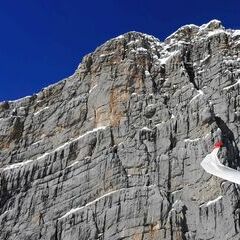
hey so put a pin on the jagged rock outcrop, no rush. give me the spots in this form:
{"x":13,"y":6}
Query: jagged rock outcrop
{"x":114,"y":151}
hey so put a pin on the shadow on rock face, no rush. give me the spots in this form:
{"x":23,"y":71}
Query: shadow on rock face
{"x":232,"y":154}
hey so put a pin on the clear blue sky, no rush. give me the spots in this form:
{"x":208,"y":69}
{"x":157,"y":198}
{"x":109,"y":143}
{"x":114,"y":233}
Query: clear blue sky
{"x":43,"y":41}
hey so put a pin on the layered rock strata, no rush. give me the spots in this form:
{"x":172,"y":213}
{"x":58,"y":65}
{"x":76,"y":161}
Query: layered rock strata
{"x":114,"y":151}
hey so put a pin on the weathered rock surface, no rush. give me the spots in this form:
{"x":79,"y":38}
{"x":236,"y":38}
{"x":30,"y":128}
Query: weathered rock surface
{"x":114,"y":151}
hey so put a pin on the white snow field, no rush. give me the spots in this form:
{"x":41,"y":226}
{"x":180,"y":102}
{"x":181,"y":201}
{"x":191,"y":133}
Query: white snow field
{"x":212,"y":165}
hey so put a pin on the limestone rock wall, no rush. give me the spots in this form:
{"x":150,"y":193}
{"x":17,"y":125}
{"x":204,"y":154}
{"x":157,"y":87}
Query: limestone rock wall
{"x":114,"y":151}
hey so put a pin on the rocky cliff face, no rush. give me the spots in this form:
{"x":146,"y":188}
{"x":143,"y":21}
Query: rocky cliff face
{"x":114,"y":151}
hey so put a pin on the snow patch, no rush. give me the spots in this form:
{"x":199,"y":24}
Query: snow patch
{"x":165,"y":59}
{"x":216,"y":32}
{"x":236,"y":33}
{"x":73,"y":164}
{"x":188,"y":26}
{"x":175,"y":204}
{"x":200,"y":93}
{"x":119,"y":37}
{"x":205,"y":59}
{"x":214,"y":21}
{"x":41,"y":110}
{"x":214,"y":200}
{"x":71,"y":212}
{"x":133,"y":51}
{"x":201,"y":71}
{"x":207,"y":135}
{"x":90,"y":203}
{"x":20,"y":99}
{"x":147,"y":73}
{"x":96,"y":200}
{"x":78,"y":138}
{"x":176,"y":191}
{"x":141,"y":49}
{"x":146,"y":129}
{"x":35,"y":143}
{"x":107,"y":54}
{"x":192,"y":140}
{"x":228,"y":87}
{"x":132,"y":42}
{"x":16,"y":165}
{"x":152,"y":38}
{"x":93,"y":88}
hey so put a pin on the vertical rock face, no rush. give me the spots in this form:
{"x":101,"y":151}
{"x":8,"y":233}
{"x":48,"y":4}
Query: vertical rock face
{"x":114,"y":151}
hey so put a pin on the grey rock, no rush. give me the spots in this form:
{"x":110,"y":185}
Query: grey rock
{"x":114,"y":151}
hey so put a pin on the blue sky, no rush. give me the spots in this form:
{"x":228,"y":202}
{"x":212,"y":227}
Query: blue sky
{"x":43,"y":41}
